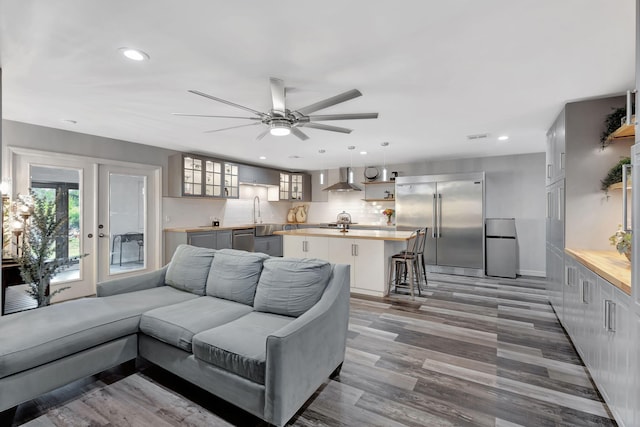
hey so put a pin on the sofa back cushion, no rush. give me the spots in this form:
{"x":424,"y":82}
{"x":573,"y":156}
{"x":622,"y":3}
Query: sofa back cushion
{"x":291,"y":286}
{"x":189,"y":268}
{"x":234,"y":275}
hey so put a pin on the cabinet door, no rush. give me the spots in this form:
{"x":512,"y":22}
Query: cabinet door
{"x":603,"y":373}
{"x":369,"y":265}
{"x":341,"y":252}
{"x":224,"y":239}
{"x":202,"y":240}
{"x":192,"y":175}
{"x":293,"y":246}
{"x":317,"y":247}
{"x":212,"y":178}
{"x":620,"y":337}
{"x":231,"y":186}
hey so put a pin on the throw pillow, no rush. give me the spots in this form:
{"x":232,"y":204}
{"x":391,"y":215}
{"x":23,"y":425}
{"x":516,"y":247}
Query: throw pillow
{"x":234,"y":275}
{"x":189,"y":268}
{"x":291,"y":286}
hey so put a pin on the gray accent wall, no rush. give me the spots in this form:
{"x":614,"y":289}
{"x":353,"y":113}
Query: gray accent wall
{"x":591,"y":215}
{"x":514,"y":188}
{"x":18,"y":134}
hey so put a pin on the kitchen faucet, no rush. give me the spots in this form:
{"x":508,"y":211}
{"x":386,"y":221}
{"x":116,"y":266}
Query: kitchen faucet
{"x":255,"y":220}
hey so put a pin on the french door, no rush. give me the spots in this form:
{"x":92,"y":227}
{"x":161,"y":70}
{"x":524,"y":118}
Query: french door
{"x":112,"y":212}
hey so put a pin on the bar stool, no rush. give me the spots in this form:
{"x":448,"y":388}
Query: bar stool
{"x":407,"y":262}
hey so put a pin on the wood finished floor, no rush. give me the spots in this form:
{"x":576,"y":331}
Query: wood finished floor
{"x":470,"y":352}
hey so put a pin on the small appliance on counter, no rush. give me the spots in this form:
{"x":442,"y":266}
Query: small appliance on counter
{"x":343,"y":220}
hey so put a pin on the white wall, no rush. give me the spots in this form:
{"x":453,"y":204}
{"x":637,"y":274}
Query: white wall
{"x":186,"y":212}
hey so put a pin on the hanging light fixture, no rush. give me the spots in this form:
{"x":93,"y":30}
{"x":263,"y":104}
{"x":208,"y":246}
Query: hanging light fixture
{"x":384,"y":161}
{"x":351,"y":148}
{"x":322,"y":151}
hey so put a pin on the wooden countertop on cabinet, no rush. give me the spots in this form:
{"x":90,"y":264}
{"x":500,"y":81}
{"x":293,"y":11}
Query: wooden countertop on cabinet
{"x":610,"y":265}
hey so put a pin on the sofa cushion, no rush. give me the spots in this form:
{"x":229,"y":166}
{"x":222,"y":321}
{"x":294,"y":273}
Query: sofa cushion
{"x":240,"y":346}
{"x":35,"y":337}
{"x":290,"y":286}
{"x":189,"y":268}
{"x":176,"y":324}
{"x":234,"y":275}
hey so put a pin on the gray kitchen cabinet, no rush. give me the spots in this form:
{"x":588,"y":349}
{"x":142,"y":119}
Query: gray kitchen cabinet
{"x":270,"y":245}
{"x":217,"y":239}
{"x":248,"y":174}
{"x":556,"y":145}
{"x":295,"y":187}
{"x":600,"y":321}
{"x":199,"y":176}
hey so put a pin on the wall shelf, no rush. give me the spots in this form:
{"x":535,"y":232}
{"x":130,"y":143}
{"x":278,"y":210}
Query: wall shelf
{"x":618,"y":186}
{"x":379,"y":200}
{"x":623,"y":132}
{"x":378,"y":182}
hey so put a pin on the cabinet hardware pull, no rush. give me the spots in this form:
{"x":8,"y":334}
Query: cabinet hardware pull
{"x":606,"y":314}
{"x":439,"y":215}
{"x":612,"y":316}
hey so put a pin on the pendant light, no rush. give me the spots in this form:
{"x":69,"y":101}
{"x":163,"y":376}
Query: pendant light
{"x":351,"y":148}
{"x":385,"y":176}
{"x":322,"y":151}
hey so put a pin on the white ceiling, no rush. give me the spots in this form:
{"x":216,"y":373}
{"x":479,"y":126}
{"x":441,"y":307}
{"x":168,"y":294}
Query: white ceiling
{"x":436,"y":71}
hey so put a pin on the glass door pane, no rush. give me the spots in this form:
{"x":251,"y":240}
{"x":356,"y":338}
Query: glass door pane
{"x":60,"y":186}
{"x":127,"y":213}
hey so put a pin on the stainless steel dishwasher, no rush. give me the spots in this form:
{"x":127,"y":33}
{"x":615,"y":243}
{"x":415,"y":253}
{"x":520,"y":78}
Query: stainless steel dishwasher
{"x":243,"y":239}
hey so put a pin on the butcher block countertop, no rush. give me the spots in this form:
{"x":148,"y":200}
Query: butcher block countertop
{"x":351,"y":234}
{"x":610,"y":265}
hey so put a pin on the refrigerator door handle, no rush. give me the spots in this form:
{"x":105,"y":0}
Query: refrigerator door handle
{"x":439,"y":215}
{"x":434,"y":233}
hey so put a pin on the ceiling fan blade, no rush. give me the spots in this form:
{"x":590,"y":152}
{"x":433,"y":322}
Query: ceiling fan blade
{"x":262,"y":134}
{"x":353,"y":93}
{"x":220,"y":117}
{"x":231,"y":127}
{"x":356,"y":116}
{"x":277,"y":95}
{"x":297,"y":132}
{"x":233,"y":104}
{"x":326,"y":127}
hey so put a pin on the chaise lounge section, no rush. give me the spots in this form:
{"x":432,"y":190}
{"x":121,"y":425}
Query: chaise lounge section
{"x":262,"y":333}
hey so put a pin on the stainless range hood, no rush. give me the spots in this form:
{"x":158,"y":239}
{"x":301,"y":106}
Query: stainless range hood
{"x":343,"y":184}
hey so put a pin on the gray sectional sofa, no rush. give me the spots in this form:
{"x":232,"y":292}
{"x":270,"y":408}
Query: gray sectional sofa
{"x":262,"y":333}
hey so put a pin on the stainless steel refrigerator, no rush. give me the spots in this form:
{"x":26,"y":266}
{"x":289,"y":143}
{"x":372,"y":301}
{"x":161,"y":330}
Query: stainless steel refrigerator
{"x":452,"y":207}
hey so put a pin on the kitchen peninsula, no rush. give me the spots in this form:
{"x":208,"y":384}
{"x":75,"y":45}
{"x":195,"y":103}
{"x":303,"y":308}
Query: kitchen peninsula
{"x":366,"y":251}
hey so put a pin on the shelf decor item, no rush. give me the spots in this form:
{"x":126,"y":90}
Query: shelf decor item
{"x":622,"y":241}
{"x":388,"y":213}
{"x":614,"y":175}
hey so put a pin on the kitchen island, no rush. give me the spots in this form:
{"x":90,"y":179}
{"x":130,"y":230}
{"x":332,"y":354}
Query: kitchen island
{"x":366,"y":251}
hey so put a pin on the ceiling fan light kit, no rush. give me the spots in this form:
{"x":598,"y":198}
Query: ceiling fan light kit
{"x":281,"y":121}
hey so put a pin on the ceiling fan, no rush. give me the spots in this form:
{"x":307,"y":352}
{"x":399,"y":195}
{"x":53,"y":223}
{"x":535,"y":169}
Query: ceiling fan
{"x":281,"y":121}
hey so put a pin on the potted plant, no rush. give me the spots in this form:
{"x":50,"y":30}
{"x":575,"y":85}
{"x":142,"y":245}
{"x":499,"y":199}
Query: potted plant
{"x":36,"y":250}
{"x":614,"y":175}
{"x":622,"y":241}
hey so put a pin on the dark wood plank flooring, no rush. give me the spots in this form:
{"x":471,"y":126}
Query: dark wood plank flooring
{"x":470,"y":352}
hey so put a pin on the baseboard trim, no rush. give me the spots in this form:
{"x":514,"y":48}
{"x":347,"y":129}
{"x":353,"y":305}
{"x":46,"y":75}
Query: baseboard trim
{"x":536,"y":273}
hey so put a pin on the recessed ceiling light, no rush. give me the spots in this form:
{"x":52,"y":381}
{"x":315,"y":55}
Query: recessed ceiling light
{"x":503,"y":138}
{"x":363,"y":152}
{"x":263,"y":157}
{"x":134,"y":54}
{"x":69,"y":121}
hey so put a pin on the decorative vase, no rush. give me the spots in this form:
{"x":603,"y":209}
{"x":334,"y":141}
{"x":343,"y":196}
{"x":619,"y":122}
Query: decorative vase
{"x":628,"y":254}
{"x":389,"y":220}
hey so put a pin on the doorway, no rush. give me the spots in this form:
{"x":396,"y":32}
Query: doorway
{"x":112,"y":211}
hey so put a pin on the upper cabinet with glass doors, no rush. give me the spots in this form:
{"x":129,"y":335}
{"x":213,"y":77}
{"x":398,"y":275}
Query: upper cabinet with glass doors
{"x":199,"y":176}
{"x":295,"y":186}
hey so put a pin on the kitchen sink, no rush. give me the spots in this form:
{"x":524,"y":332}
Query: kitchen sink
{"x":266,"y":229}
